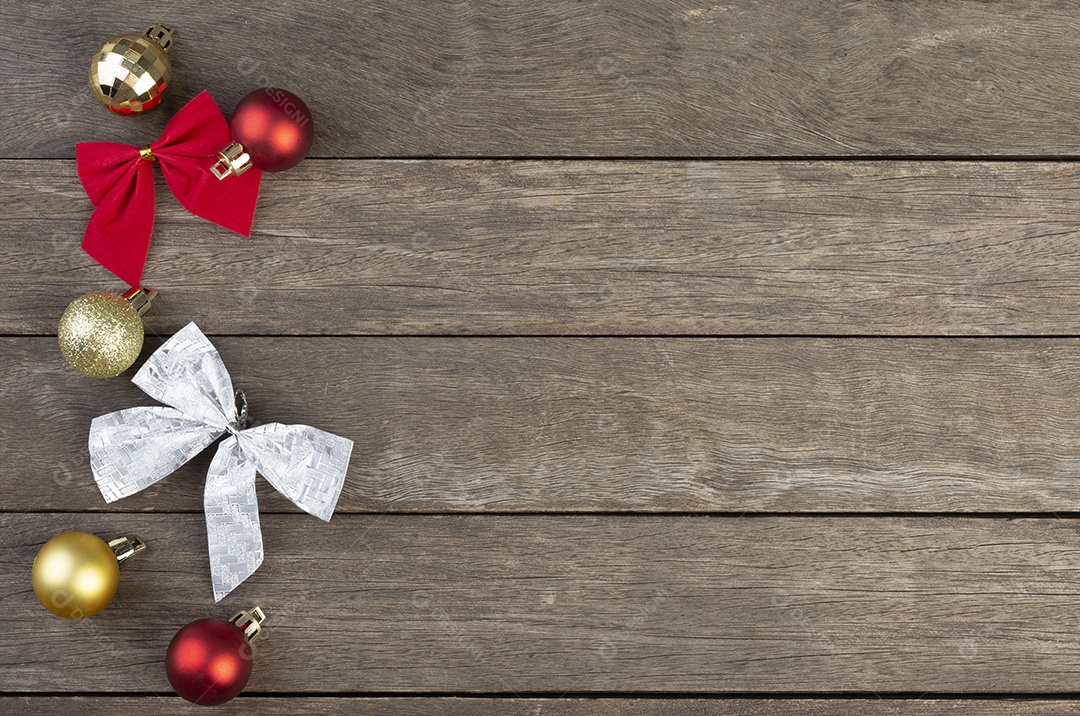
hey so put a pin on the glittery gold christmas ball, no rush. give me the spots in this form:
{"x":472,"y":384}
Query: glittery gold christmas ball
{"x":101,"y":334}
{"x":130,"y":72}
{"x":75,"y":575}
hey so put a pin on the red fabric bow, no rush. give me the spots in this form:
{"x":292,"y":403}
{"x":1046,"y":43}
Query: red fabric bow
{"x":120,"y":183}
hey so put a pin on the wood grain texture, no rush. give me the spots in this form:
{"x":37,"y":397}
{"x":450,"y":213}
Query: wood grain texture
{"x":520,"y":604}
{"x":567,"y":78}
{"x":391,"y":302}
{"x":505,"y":424}
{"x":480,"y":247}
{"x":454,"y":706}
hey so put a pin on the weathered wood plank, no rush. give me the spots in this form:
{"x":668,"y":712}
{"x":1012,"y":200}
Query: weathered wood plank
{"x":585,"y":247}
{"x":512,"y":604}
{"x":509,"y":424}
{"x":449,"y":706}
{"x":614,"y":78}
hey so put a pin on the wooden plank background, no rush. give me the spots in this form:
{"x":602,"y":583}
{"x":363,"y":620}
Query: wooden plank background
{"x":701,"y":358}
{"x":612,"y":424}
{"x":598,"y":603}
{"x":565,"y":78}
{"x":589,"y":247}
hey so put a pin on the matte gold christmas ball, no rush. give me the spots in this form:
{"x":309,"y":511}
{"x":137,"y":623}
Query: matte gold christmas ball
{"x":75,"y":575}
{"x":130,"y":73}
{"x":101,"y":334}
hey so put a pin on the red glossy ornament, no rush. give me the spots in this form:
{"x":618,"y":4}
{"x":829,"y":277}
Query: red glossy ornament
{"x":275,"y":128}
{"x":209,"y":660}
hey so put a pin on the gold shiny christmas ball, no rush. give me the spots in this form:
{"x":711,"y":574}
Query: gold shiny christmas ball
{"x":130,"y":72}
{"x":75,"y":575}
{"x":101,"y":334}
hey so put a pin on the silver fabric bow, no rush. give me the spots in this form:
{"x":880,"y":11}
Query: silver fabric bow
{"x":134,"y":448}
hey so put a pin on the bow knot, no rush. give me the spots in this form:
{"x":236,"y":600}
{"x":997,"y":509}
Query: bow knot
{"x":235,"y":427}
{"x":119,"y":180}
{"x":134,"y":448}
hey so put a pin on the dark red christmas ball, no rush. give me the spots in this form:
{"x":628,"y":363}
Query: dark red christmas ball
{"x":275,"y":128}
{"x":209,"y":661}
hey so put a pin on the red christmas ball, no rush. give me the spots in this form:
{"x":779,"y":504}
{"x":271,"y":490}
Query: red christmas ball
{"x":275,"y":128}
{"x":209,"y":661}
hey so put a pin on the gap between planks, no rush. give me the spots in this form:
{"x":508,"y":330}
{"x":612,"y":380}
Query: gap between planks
{"x":456,"y":706}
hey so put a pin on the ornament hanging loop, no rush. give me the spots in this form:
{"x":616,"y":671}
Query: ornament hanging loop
{"x":250,"y":622}
{"x":126,"y":547}
{"x":161,"y":34}
{"x":140,"y":299}
{"x":233,"y":160}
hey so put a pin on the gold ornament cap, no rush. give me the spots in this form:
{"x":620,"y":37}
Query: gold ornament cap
{"x":233,"y":160}
{"x":76,"y":574}
{"x":130,"y":73}
{"x":101,"y":333}
{"x":126,"y":547}
{"x":250,"y":622}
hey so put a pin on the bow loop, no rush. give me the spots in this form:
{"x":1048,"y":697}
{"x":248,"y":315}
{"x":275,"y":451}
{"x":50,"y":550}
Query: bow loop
{"x":104,"y":167}
{"x":303,"y":463}
{"x":134,"y":448}
{"x":156,"y":440}
{"x":187,"y":373}
{"x":120,"y":184}
{"x":198,"y":130}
